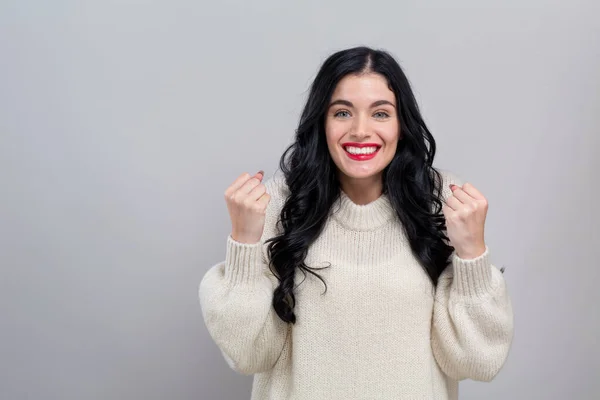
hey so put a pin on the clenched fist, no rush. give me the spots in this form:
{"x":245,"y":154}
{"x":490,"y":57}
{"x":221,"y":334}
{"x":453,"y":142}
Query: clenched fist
{"x":247,"y":201}
{"x":465,"y":212}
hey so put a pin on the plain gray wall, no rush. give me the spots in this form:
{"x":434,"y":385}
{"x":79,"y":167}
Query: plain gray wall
{"x":122,"y":123}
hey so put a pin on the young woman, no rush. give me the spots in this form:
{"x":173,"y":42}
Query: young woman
{"x":362,"y":273}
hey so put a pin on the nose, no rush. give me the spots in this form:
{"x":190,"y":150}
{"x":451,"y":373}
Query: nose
{"x":360,"y":128}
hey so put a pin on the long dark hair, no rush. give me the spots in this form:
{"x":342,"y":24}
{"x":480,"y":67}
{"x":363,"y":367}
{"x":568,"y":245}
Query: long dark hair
{"x":410,"y":181}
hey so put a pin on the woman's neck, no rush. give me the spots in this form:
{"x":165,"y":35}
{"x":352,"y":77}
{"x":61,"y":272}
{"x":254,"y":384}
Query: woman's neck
{"x":362,"y":190}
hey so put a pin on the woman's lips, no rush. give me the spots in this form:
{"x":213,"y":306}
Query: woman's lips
{"x":362,"y":157}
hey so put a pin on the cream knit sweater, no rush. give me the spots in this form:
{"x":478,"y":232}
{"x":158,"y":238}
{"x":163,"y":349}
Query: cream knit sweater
{"x":381,"y":331}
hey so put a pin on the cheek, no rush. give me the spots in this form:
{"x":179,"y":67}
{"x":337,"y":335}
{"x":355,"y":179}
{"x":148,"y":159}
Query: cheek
{"x":391,"y":134}
{"x":334,"y":132}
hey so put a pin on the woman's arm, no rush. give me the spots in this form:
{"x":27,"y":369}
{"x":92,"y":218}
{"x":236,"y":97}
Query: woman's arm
{"x":472,"y":327}
{"x":236,"y":301}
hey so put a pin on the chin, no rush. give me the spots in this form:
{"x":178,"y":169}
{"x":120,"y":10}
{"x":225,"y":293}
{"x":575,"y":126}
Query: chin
{"x":360,"y":175}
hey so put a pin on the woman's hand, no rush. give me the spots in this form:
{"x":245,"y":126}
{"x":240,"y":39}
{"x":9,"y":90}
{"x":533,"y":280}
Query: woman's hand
{"x":465,"y":211}
{"x":247,"y":201}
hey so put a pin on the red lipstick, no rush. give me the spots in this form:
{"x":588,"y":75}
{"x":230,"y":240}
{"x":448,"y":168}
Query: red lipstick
{"x":361,"y":157}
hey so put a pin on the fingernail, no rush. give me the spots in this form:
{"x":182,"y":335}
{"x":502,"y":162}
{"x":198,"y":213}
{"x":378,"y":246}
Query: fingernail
{"x":261,"y":172}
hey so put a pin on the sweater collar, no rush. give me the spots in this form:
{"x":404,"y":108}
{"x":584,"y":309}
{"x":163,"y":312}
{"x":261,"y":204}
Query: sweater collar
{"x":362,"y":217}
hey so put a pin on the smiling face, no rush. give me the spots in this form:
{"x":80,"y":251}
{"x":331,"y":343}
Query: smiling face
{"x":362,"y":127}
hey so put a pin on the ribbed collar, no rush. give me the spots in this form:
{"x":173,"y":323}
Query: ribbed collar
{"x":363,"y":217}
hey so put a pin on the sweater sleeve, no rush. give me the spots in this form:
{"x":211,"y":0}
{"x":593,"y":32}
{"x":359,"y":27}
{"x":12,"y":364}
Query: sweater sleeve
{"x":236,"y":301}
{"x":472,"y":327}
{"x":473,"y":322}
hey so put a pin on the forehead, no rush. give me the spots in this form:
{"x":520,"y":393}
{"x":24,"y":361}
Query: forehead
{"x":365,"y":87}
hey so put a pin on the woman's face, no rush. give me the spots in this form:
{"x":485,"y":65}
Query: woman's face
{"x":362,"y":112}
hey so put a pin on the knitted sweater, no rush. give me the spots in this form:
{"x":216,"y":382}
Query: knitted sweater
{"x":381,"y":330}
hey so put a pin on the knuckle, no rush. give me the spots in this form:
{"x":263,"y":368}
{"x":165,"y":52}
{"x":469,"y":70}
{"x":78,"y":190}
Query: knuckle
{"x":237,"y":198}
{"x":247,"y":202}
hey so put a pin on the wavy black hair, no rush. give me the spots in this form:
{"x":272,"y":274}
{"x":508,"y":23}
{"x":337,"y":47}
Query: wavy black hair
{"x":410,"y":181}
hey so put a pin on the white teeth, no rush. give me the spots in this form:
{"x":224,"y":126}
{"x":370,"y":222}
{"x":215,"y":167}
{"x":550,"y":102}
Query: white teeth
{"x":363,"y":150}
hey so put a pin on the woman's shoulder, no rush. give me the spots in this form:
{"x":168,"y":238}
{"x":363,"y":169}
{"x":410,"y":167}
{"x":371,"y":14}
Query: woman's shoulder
{"x":448,"y":178}
{"x":278,"y":190}
{"x":276,"y":187}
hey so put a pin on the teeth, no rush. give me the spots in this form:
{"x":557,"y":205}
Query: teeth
{"x":364,"y":150}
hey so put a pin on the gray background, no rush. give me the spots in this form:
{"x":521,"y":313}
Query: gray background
{"x":122,"y":123}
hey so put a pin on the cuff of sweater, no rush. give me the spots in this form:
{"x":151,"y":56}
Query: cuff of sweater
{"x":473,"y":277}
{"x":242,"y":262}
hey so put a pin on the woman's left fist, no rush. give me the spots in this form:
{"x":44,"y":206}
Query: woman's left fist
{"x":465,"y":211}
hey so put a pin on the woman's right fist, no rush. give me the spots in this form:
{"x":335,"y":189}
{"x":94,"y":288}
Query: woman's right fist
{"x":247,"y":201}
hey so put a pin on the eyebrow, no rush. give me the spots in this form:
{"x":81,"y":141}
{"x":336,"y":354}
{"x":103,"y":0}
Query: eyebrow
{"x":349,"y":104}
